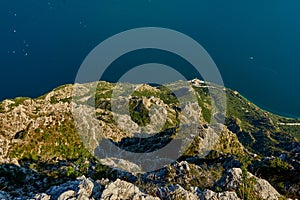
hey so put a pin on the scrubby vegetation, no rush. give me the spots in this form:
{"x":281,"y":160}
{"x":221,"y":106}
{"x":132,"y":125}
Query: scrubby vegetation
{"x":61,"y":142}
{"x":246,"y":189}
{"x":280,"y":174}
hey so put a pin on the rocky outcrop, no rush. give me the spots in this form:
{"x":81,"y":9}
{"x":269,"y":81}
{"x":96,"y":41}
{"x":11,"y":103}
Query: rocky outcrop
{"x":120,"y":190}
{"x":42,"y":196}
{"x":211,"y":195}
{"x":176,"y":192}
{"x":81,"y":189}
{"x":186,"y":175}
{"x":87,"y":189}
{"x":262,"y":188}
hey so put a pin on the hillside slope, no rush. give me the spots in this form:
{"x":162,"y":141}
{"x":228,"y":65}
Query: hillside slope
{"x":40,"y":146}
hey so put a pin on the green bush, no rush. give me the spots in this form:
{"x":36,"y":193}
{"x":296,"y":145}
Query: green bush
{"x":246,"y":189}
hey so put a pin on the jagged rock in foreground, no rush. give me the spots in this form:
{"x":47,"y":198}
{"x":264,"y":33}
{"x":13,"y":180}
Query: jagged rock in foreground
{"x":87,"y":189}
{"x":176,"y":192}
{"x":123,"y":190}
{"x":262,"y":188}
{"x":80,"y":189}
{"x":211,"y":195}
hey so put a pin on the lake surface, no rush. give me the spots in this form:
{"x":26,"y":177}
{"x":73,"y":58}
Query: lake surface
{"x":255,"y":44}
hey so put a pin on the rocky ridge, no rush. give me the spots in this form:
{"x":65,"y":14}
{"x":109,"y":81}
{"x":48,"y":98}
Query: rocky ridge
{"x":39,"y":146}
{"x":87,"y":188}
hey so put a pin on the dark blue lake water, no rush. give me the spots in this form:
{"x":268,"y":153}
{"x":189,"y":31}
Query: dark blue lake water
{"x":255,"y":44}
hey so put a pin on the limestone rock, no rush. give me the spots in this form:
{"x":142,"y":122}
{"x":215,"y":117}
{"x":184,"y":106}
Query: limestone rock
{"x":42,"y":196}
{"x":56,"y":191}
{"x":86,"y":186}
{"x":121,"y":190}
{"x":70,"y":194}
{"x":82,"y":188}
{"x":210,"y":195}
{"x":262,"y":187}
{"x":176,"y":192}
{"x":266,"y":190}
